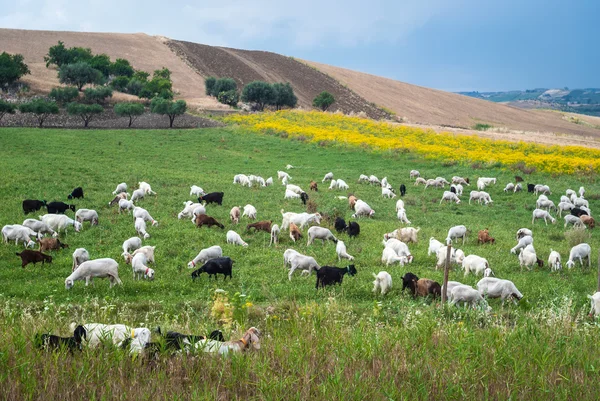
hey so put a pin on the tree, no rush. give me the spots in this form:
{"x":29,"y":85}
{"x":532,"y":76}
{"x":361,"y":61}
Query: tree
{"x":258,"y":92}
{"x":12,"y":68}
{"x":131,"y":110}
{"x":168,"y":107}
{"x":230,"y":98}
{"x":97,"y":95}
{"x":85,"y":111}
{"x":60,"y":55}
{"x":122,"y":68}
{"x":323,"y":100}
{"x":64,"y":95}
{"x":224,"y":85}
{"x":102,"y":63}
{"x":209,"y":82}
{"x":79,"y":74}
{"x":135,"y":86}
{"x":42,"y":108}
{"x":6,"y":108}
{"x":120,"y":83}
{"x":159,"y":86}
{"x":284,"y":96}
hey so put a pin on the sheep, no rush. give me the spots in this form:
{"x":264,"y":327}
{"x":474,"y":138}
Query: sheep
{"x":542,"y":214}
{"x":434,"y":183}
{"x":138,"y":194}
{"x":285,"y":181}
{"x":422,"y":287}
{"x":117,"y":198}
{"x":458,"y":188}
{"x":39,"y":227}
{"x":213,"y":197}
{"x":457,"y":232}
{"x":363,"y":178}
{"x":460,"y":180}
{"x":124,"y":204}
{"x":475,"y":264}
{"x":88,"y":270}
{"x":131,"y":244}
{"x":294,"y":188}
{"x":269,"y":182}
{"x":382,"y":283}
{"x":188,"y":209}
{"x":328,"y":177}
{"x":20,"y":234}
{"x":387,"y":193}
{"x":576,"y":211}
{"x":449,"y":197}
{"x":581,"y":191}
{"x":522,"y":232}
{"x":146,"y":187}
{"x":301,"y":219}
{"x":196,"y":190}
{"x":27,"y":256}
{"x":406,"y":234}
{"x":288,"y":256}
{"x":361,"y":208}
{"x":122,"y":187}
{"x":322,"y":233}
{"x":468,"y":295}
{"x":333,"y":184}
{"x":235,"y":239}
{"x":419,"y":181}
{"x":274,"y":235}
{"x":399,"y":247}
{"x":373,"y":180}
{"x":146,"y":250}
{"x":234,"y":214}
{"x":59,"y":207}
{"x":79,"y":256}
{"x":295,"y":233}
{"x":76,"y":193}
{"x":251,"y":338}
{"x":302,"y":262}
{"x":484,"y":237}
{"x":205,"y":255}
{"x":87,"y":215}
{"x":518,"y":188}
{"x":204,"y":220}
{"x":340,"y":225}
{"x":480,"y":196}
{"x":140,"y":212}
{"x":401,"y":214}
{"x":554,"y":260}
{"x":523,"y":242}
{"x":595,"y":303}
{"x":399,"y":204}
{"x":546,"y":204}
{"x":329,"y":275}
{"x":483,"y":182}
{"x":60,"y":222}
{"x":250,"y":212}
{"x":385,"y":183}
{"x":564,"y":207}
{"x":389,"y":256}
{"x":434,"y":245}
{"x":48,"y":244}
{"x":492,"y":287}
{"x":414,"y":174}
{"x":138,"y":265}
{"x":340,"y":249}
{"x":576,"y":221}
{"x":541,"y":189}
{"x":140,"y":227}
{"x":588,"y":221}
{"x":456,"y":256}
{"x":580,"y":252}
{"x":241,"y":179}
{"x":527,"y":257}
{"x":32,"y":205}
{"x":260,"y":226}
{"x":509,"y":187}
{"x":291,"y":195}
{"x":581,"y":202}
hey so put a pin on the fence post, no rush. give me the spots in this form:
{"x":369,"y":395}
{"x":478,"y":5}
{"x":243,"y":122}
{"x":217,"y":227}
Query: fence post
{"x":446,"y":270}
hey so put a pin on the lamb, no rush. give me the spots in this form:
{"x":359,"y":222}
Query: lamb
{"x":492,"y":287}
{"x":48,"y":244}
{"x":414,"y":174}
{"x":373,"y":180}
{"x":76,"y":193}
{"x":131,"y":244}
{"x":124,"y":204}
{"x":138,"y":264}
{"x":250,"y":212}
{"x":322,"y":233}
{"x":260,"y":226}
{"x":434,"y":183}
{"x":385,"y":183}
{"x":301,"y":219}
{"x":564,"y":207}
{"x":468,"y":295}
{"x":329,"y":275}
{"x":523,"y":242}
{"x":235,"y":239}
{"x":580,"y":252}
{"x":333,"y":184}
{"x":475,"y":264}
{"x":59,"y":207}
{"x":420,"y":180}
{"x":274,"y":235}
{"x":383,"y":282}
{"x":542,"y":214}
{"x":389,"y":256}
{"x":554,"y":260}
{"x":146,"y":188}
{"x":204,"y":220}
{"x":88,"y":270}
{"x":188,"y":209}
{"x":484,"y":237}
{"x":387,"y":193}
{"x":122,"y":187}
{"x":79,"y":256}
{"x":291,"y":195}
{"x":576,"y":221}
{"x":595,"y":302}
{"x":527,"y":257}
{"x":302,"y":262}
{"x":509,"y":187}
{"x":140,"y":227}
{"x":541,"y":189}
{"x":361,"y":208}
{"x":295,"y":233}
{"x":449,"y":197}
{"x":205,"y":255}
{"x":137,"y":194}
{"x":285,"y":181}
{"x":140,"y":212}
{"x":39,"y":227}
{"x":32,"y":205}
{"x":20,"y":234}
{"x":457,"y":232}
{"x":213,"y":197}
{"x":60,"y":222}
{"x":588,"y":221}
{"x":251,"y":338}
{"x":27,"y":256}
{"x":434,"y":245}
{"x":483,"y":182}
{"x":340,"y":249}
{"x":87,"y":215}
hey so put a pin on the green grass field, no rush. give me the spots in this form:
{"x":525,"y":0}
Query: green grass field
{"x":339,"y":343}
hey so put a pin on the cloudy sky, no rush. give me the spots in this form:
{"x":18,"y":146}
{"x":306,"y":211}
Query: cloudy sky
{"x":446,"y":44}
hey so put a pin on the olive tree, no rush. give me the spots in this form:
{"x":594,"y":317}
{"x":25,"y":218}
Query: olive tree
{"x":131,"y":110}
{"x":168,"y":107}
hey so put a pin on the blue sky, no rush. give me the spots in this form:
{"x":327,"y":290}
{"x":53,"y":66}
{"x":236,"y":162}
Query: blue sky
{"x":445,"y":44}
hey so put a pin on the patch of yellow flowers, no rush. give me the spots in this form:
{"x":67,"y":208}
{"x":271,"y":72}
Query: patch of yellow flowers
{"x":354,"y":131}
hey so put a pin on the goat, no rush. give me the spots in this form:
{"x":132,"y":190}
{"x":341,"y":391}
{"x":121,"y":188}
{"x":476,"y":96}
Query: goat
{"x":205,"y":255}
{"x":313,"y":186}
{"x":79,"y":256}
{"x":321,"y":233}
{"x":213,"y":197}
{"x":27,"y":256}
{"x":250,"y":340}
{"x":383,"y":282}
{"x":329,"y":275}
{"x":260,"y":226}
{"x":340,"y":249}
{"x":295,"y":233}
{"x":31,"y":205}
{"x":76,"y":193}
{"x":235,"y":239}
{"x":59,"y":207}
{"x":340,"y":225}
{"x":122,"y":187}
{"x":204,"y":220}
{"x":221,"y":265}
{"x":48,"y":244}
{"x":580,"y":252}
{"x":49,"y":341}
{"x":88,"y":270}
{"x":274,"y":235}
{"x":483,"y":237}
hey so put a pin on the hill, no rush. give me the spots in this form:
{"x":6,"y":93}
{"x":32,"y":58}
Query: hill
{"x":190,"y":63}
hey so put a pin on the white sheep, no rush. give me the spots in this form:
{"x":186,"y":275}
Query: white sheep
{"x":468,"y":295}
{"x":341,"y":184}
{"x":125,"y":204}
{"x":546,"y":204}
{"x":97,"y":334}
{"x":475,"y":264}
{"x":137,"y":194}
{"x":234,"y":214}
{"x":414,"y":174}
{"x":146,"y":187}
{"x":483,"y":182}
{"x":288,"y":255}
{"x":140,"y":227}
{"x":294,"y":188}
{"x":434,"y":245}
{"x":328,"y":177}
{"x":564,"y":207}
{"x":274,"y":235}
{"x":451,"y":286}
{"x":554,"y":260}
{"x":39,"y":227}
{"x":205,"y":255}
{"x":250,"y":212}
{"x":146,"y":250}
{"x":509,"y":187}
{"x":242,"y":179}
{"x":405,"y":234}
{"x":300,"y":219}
{"x":196,"y":190}
{"x":382,"y":283}
{"x":18,"y":233}
{"x":480,"y":196}
{"x":522,"y":232}
{"x":581,"y":202}
{"x":580,"y":252}
{"x":130,"y":245}
{"x":457,"y":232}
{"x":302,"y":262}
{"x":581,"y":191}
{"x":541,"y":189}
{"x":373,"y":180}
{"x":79,"y":256}
{"x":285,"y":181}
{"x":291,"y":195}
{"x":434,"y":183}
{"x":269,"y":182}
{"x":523,"y":242}
{"x":361,"y":208}
{"x":60,"y":222}
{"x":399,"y":247}
{"x":87,"y":215}
{"x":122,"y":187}
{"x":492,"y":287}
{"x":235,"y":239}
{"x":88,"y":270}
{"x":518,"y":187}
{"x":340,"y":249}
{"x":420,"y":180}
{"x":188,"y":209}
{"x":322,"y":233}
{"x":399,"y":204}
{"x":282,"y":174}
{"x":459,"y":180}
{"x":595,"y":303}
{"x":402,"y":216}
{"x":389,"y":256}
{"x":333,"y":184}
{"x":138,"y":265}
{"x":363,"y":178}
{"x":457,"y":256}
{"x":576,"y":221}
{"x":527,"y":257}
{"x":450,"y":197}
{"x":542,"y":214}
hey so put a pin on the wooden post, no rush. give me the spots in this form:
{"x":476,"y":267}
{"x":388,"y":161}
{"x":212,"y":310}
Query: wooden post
{"x":446,"y":270}
{"x":598,"y":287}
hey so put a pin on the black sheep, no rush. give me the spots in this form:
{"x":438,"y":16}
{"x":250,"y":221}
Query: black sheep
{"x":59,"y":207}
{"x":340,"y":225}
{"x":329,"y":275}
{"x":32,"y":205}
{"x":213,"y":197}
{"x":215,"y":266}
{"x":353,"y":229}
{"x":77,"y":193}
{"x":402,"y":189}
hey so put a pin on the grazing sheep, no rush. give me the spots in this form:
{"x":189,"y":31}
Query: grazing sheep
{"x":138,"y":264}
{"x":146,"y":187}
{"x":387,"y":193}
{"x":79,"y":256}
{"x":295,"y":233}
{"x":576,"y":221}
{"x":434,"y":183}
{"x":340,"y":249}
{"x":60,"y":222}
{"x":399,"y":204}
{"x":542,"y":214}
{"x":509,"y":187}
{"x":39,"y":227}
{"x":541,"y":189}
{"x":329,"y":275}
{"x":269,"y":182}
{"x":492,"y":287}
{"x":523,"y":232}
{"x":124,"y":204}
{"x":460,"y":180}
{"x":518,"y":188}
{"x":131,"y":244}
{"x":19,"y":233}
{"x":32,"y":205}
{"x":352,"y":201}
{"x":361,"y":208}
{"x":220,"y":265}
{"x":234,"y":214}
{"x":48,"y":341}
{"x":250,"y":212}
{"x":147,"y":250}
{"x":457,"y":232}
{"x":205,"y":255}
{"x":302,"y":262}
{"x":196,"y":190}
{"x":138,"y":194}
{"x":523,"y":242}
{"x":140,"y":227}
{"x":213,"y":197}
{"x":122,"y":187}
{"x":420,"y":180}
{"x":414,"y":174}
{"x":59,"y":207}
{"x":434,"y":245}
{"x":449,"y":197}
{"x":475,"y":264}
{"x":294,"y":188}
{"x":204,"y":220}
{"x":581,"y":191}
{"x":322,"y":233}
{"x":117,"y":198}
{"x":51,"y":244}
{"x":341,"y":184}
{"x":480,"y":196}
{"x":382,"y":283}
{"x":260,"y":226}
{"x":363,"y":178}
{"x":274,"y":235}
{"x":340,"y":225}
{"x":564,"y":207}
{"x":118,"y":334}
{"x":333,"y":184}
{"x":406,"y":234}
{"x":353,"y":229}
{"x":399,"y":247}
{"x":401,"y":214}
{"x":390,"y":256}
{"x":468,"y":295}
{"x":140,"y":212}
{"x":291,"y":195}
{"x":484,"y":237}
{"x":328,"y":177}
{"x":580,"y":252}
{"x":301,"y":219}
{"x":288,"y":255}
{"x":188,"y":209}
{"x":373,"y":180}
{"x":87,"y":215}
{"x":88,"y":270}
{"x":554,"y":260}
{"x":423,"y":287}
{"x":76,"y":193}
{"x":250,"y":340}
{"x":242,"y":179}
{"x":27,"y":256}
{"x":527,"y":257}
{"x":235,"y":239}
{"x":456,"y":256}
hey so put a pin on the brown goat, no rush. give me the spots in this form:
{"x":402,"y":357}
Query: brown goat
{"x":27,"y":256}
{"x":261,"y":226}
{"x":588,"y":220}
{"x":427,"y":287}
{"x":313,"y":186}
{"x":352,"y":201}
{"x":483,"y":237}
{"x":204,"y":220}
{"x":518,"y":178}
{"x":295,"y":233}
{"x":48,"y":244}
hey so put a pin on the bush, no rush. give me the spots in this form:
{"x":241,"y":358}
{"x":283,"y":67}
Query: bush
{"x":576,"y":236}
{"x":135,"y":86}
{"x":101,"y":62}
{"x":284,"y":96}
{"x":64,"y":95}
{"x":79,"y":74}
{"x":209,"y":83}
{"x":323,"y":100}
{"x":131,"y":110}
{"x":12,"y":68}
{"x":168,"y":107}
{"x":122,"y":68}
{"x":224,"y":85}
{"x":230,"y":98}
{"x":482,"y":127}
{"x":85,"y":111}
{"x":6,"y":108}
{"x":258,"y":92}
{"x":97,"y":95}
{"x":120,"y":83}
{"x":160,"y":86}
{"x":41,"y":108}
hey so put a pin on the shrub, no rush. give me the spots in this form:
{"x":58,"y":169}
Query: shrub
{"x":135,"y":86}
{"x":101,"y":62}
{"x":85,"y":111}
{"x":64,"y":95}
{"x":6,"y":108}
{"x":323,"y":100}
{"x":131,"y":110}
{"x":482,"y":127}
{"x":209,"y":83}
{"x":230,"y":98}
{"x":97,"y":95}
{"x":12,"y":68}
{"x":120,"y":83}
{"x":159,"y":86}
{"x":79,"y":74}
{"x":576,"y":236}
{"x":122,"y":68}
{"x":258,"y":92}
{"x":284,"y":96}
{"x":168,"y":107}
{"x":41,"y":108}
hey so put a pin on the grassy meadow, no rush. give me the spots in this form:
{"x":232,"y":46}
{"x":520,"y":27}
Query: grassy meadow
{"x":338,"y":343}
